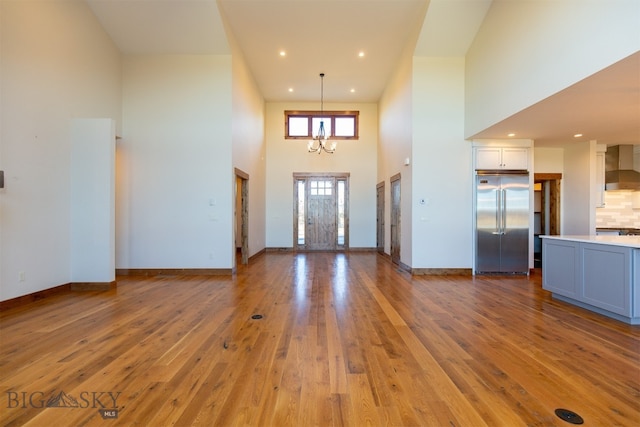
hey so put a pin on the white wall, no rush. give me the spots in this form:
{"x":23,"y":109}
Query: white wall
{"x":175,"y":206}
{"x":395,"y":145}
{"x":57,"y":64}
{"x":249,"y":146}
{"x":528,"y":50}
{"x":578,"y":209}
{"x":548,"y":160}
{"x":442,"y":166}
{"x":93,"y":192}
{"x":286,"y":156}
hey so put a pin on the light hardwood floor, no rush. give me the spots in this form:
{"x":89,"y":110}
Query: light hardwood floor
{"x":345,"y":339}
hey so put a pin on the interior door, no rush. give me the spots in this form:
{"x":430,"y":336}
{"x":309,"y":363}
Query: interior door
{"x":380,"y":217}
{"x":395,"y":219}
{"x":242,"y":215}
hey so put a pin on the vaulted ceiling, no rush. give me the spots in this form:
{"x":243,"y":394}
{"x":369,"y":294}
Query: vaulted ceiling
{"x":317,"y":36}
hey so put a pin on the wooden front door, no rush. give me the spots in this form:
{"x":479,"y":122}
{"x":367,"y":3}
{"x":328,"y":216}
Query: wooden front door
{"x":395,"y":219}
{"x":321,"y":215}
{"x":321,"y":226}
{"x":380,"y":217}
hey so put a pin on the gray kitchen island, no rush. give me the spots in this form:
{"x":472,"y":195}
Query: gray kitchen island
{"x":598,"y":273}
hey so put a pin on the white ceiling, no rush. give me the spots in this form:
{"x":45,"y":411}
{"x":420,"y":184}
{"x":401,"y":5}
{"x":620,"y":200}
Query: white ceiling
{"x":317,"y":36}
{"x":162,"y":26}
{"x":322,"y":36}
{"x":327,"y":35}
{"x":604,"y":107}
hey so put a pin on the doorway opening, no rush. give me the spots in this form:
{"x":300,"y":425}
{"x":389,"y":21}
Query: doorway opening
{"x":242,"y":216}
{"x":546,"y":214}
{"x":395,"y":219}
{"x":321,"y":213}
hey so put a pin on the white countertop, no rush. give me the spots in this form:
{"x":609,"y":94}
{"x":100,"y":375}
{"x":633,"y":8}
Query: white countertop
{"x":627,"y":241}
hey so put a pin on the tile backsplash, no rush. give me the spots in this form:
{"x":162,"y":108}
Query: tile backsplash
{"x":618,"y":211}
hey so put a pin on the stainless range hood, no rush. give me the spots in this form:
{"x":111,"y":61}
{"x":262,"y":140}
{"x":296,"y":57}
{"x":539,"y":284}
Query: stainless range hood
{"x":619,"y":172}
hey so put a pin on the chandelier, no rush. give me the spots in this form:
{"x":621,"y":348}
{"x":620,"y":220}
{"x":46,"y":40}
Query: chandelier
{"x":321,"y":142}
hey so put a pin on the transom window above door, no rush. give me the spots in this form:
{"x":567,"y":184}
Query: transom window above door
{"x":337,"y":124}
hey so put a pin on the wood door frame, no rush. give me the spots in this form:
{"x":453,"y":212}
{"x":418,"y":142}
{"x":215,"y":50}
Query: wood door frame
{"x":380,"y":205}
{"x":395,"y":238}
{"x":552,"y":182}
{"x":244,"y":215}
{"x":338,"y":176}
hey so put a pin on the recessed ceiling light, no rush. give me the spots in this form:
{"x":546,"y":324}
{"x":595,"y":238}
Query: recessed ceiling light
{"x":577,"y":135}
{"x":290,"y":89}
{"x":511,"y":134}
{"x":283,"y":53}
{"x":353,"y":91}
{"x":361,"y":54}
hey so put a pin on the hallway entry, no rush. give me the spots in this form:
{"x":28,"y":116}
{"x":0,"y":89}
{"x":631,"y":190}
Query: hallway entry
{"x":242,"y":215}
{"x":546,"y":213}
{"x":395,"y":219}
{"x":321,"y":216}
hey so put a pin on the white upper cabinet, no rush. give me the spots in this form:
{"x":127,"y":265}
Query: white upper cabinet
{"x":497,"y":158}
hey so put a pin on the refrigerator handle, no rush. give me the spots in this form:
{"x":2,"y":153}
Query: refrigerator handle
{"x":498,"y":215}
{"x":504,"y":212}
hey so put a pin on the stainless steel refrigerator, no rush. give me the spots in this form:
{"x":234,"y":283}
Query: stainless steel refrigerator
{"x":502,"y":222}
